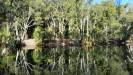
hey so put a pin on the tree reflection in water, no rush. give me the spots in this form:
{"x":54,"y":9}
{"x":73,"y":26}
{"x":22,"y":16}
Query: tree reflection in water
{"x":100,"y":60}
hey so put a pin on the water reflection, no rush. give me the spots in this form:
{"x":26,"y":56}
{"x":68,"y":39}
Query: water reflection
{"x":100,"y":60}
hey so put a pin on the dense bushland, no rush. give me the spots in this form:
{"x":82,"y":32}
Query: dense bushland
{"x":71,"y":19}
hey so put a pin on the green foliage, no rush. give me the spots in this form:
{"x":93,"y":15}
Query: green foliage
{"x":36,"y":55}
{"x":65,"y":18}
{"x":4,"y":34}
{"x":87,"y":41}
{"x":99,"y":20}
{"x":7,"y":59}
{"x":37,"y":35}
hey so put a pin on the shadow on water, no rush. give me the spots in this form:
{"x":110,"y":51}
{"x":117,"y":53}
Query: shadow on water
{"x":98,"y":60}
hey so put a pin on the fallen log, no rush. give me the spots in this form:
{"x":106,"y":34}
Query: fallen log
{"x":29,"y":44}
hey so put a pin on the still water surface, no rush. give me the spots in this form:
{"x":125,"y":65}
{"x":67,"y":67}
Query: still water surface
{"x":99,"y":60}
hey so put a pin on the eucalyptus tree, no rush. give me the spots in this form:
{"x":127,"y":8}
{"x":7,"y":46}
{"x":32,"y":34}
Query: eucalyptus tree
{"x":18,"y":21}
{"x":118,"y":7}
{"x":103,"y":21}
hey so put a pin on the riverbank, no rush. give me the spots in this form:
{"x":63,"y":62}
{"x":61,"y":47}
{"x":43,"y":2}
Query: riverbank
{"x":32,"y":44}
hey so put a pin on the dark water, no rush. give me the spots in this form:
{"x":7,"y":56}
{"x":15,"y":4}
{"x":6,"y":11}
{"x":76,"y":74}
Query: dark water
{"x":99,"y":60}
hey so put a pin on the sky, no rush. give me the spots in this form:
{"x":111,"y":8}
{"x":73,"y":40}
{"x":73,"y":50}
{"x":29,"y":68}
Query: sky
{"x":123,"y":1}
{"x":127,"y":1}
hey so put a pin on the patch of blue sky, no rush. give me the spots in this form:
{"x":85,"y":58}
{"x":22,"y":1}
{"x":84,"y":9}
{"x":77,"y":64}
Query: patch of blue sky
{"x":117,"y":1}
